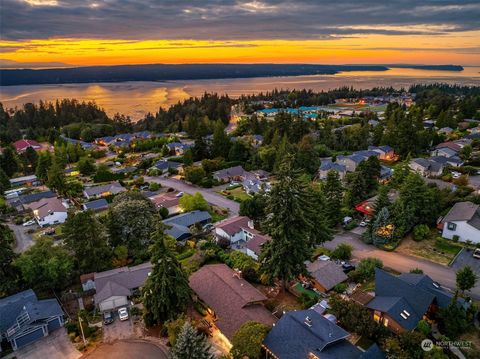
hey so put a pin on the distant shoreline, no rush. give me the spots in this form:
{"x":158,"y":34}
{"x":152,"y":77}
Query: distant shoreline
{"x":163,"y":72}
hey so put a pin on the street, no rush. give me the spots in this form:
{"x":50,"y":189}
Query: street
{"x":23,"y":239}
{"x":207,"y":193}
{"x":400,"y":262}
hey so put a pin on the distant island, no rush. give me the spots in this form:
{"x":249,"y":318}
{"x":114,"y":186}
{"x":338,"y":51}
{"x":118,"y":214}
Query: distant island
{"x":164,"y":72}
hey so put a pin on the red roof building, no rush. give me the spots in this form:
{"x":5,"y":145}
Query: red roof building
{"x":22,"y":145}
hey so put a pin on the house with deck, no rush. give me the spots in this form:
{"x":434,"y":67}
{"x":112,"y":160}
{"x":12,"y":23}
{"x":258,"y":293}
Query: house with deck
{"x":24,"y":318}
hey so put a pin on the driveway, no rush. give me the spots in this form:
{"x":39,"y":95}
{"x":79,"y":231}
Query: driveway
{"x":207,"y":193}
{"x":118,"y":330}
{"x":55,"y":346}
{"x":128,"y":350}
{"x":400,"y":262}
{"x":465,"y":258}
{"x":23,"y":239}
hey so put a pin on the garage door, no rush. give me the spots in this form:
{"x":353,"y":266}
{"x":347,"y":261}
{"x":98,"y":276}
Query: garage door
{"x":54,"y":324}
{"x":29,"y":338}
{"x":113,"y":303}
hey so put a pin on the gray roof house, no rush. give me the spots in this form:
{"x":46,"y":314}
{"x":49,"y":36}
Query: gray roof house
{"x":179,"y":225}
{"x":103,"y":190}
{"x":352,"y":161}
{"x":24,"y":319}
{"x":113,"y":287}
{"x":426,"y":167}
{"x":236,"y":173}
{"x":306,"y":334}
{"x":96,"y":205}
{"x":463,"y":221}
{"x":328,"y":165}
{"x":401,"y":302}
{"x":326,"y":274}
{"x":165,"y":165}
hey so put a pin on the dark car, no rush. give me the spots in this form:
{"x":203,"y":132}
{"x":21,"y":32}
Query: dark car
{"x":347,"y":267}
{"x":107,"y":318}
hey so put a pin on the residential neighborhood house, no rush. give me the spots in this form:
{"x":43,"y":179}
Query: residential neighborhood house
{"x":24,"y":319}
{"x":462,"y":222}
{"x":231,"y":300}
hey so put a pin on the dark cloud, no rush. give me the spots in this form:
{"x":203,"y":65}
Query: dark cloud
{"x":233,"y":20}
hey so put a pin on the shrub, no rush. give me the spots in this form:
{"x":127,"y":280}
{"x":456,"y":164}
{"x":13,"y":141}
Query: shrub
{"x":424,"y":327}
{"x":421,"y":232}
{"x":340,"y":288}
{"x":343,"y":251}
{"x":455,"y":238}
{"x":416,"y":271}
{"x":186,"y":254}
{"x":366,"y":269}
{"x":200,"y":308}
{"x":174,"y":327}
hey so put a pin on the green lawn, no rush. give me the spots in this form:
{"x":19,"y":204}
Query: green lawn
{"x":237,"y":194}
{"x":216,"y":217}
{"x":298,"y":288}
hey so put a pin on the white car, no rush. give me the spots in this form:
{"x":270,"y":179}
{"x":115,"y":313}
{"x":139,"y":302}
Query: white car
{"x":29,"y":223}
{"x":363,"y":224}
{"x":123,"y":314}
{"x":179,"y":194}
{"x":456,"y":174}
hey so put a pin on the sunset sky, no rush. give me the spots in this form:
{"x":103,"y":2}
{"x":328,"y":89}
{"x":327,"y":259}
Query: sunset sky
{"x":42,"y":33}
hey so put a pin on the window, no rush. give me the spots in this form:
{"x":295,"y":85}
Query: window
{"x":451,"y":226}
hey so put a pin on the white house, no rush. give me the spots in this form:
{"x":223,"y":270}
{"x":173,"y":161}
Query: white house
{"x":463,"y":220}
{"x":242,"y":235}
{"x":48,"y":211}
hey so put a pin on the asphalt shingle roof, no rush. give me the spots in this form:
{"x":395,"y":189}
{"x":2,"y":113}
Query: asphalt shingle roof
{"x":292,"y":338}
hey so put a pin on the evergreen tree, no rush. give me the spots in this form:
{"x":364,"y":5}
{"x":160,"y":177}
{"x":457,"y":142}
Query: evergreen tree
{"x":289,"y":224}
{"x":43,"y":164}
{"x":56,"y":177}
{"x":382,"y":199}
{"x":333,"y":192}
{"x":29,"y":160}
{"x":466,"y":278}
{"x":166,"y":292}
{"x":4,"y":181}
{"x":220,"y":142}
{"x":191,"y":344}
{"x":8,"y":161}
{"x":8,"y":272}
{"x":307,"y":158}
{"x":85,"y":236}
{"x":188,"y":157}
{"x":86,"y":166}
{"x":322,"y":231}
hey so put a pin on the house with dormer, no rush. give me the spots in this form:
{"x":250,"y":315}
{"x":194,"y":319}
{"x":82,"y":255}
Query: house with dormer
{"x":400,"y":302}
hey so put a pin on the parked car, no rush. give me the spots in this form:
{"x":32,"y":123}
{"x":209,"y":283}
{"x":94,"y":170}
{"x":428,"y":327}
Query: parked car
{"x":323,"y":258}
{"x":476,"y":253}
{"x":29,"y":223}
{"x":107,"y":318}
{"x":347,"y":267}
{"x":123,"y":314}
{"x":179,"y":194}
{"x":363,"y":224}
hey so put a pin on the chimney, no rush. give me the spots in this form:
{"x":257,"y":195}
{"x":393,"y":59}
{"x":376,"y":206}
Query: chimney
{"x":250,"y":224}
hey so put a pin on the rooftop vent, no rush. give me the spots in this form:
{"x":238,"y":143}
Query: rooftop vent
{"x":436,"y":285}
{"x":403,"y":316}
{"x":308,"y":322}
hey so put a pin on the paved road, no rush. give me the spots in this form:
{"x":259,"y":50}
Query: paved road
{"x":400,"y":262}
{"x":208,"y":193}
{"x":23,"y":239}
{"x":128,"y":350}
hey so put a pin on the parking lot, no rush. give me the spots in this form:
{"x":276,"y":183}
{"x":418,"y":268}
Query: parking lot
{"x":465,"y":258}
{"x":118,"y":329}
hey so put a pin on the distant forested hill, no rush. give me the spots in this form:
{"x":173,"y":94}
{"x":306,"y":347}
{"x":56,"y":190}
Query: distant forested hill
{"x":161,"y":72}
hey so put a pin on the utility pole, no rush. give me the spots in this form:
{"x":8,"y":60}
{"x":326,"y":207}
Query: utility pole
{"x":81,"y":329}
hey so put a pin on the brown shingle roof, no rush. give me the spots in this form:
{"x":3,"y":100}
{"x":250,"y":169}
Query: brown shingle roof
{"x":46,"y":206}
{"x":234,"y":300}
{"x":233,"y":225}
{"x":255,"y":244}
{"x":164,"y":200}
